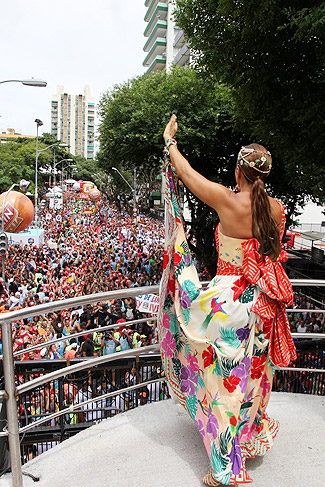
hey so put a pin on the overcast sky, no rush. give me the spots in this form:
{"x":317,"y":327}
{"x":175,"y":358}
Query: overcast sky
{"x":65,"y":42}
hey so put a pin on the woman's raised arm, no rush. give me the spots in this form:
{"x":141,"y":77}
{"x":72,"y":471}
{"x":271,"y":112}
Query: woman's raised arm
{"x":213,"y":194}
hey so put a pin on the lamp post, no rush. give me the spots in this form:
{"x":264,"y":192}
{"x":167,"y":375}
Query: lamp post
{"x":39,"y":123}
{"x":3,"y":236}
{"x":27,"y":82}
{"x":133,"y":189}
{"x":54,"y":166}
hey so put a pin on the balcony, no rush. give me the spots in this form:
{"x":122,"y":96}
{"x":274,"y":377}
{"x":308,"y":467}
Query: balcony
{"x":179,"y":40}
{"x":158,"y":64}
{"x":157,"y":49}
{"x":160,"y":30}
{"x":157,"y":8}
{"x":153,"y":22}
{"x":164,"y":444}
{"x":183,"y":56}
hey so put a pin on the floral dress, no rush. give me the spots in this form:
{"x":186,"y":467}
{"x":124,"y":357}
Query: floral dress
{"x":219,"y":345}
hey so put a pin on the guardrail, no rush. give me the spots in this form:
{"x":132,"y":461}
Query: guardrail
{"x":11,"y":391}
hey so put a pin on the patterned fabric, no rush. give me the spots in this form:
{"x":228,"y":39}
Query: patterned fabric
{"x":215,"y":342}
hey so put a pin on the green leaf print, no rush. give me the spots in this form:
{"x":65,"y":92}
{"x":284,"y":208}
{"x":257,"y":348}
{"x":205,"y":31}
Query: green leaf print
{"x":168,"y":303}
{"x":219,"y":463}
{"x":179,"y":342}
{"x":173,"y":324}
{"x":225,"y":440}
{"x":192,"y":290}
{"x":200,"y":382}
{"x":246,"y":405}
{"x":216,"y":368}
{"x":248,"y":295}
{"x":188,"y":349}
{"x":187,"y":314}
{"x":180,"y":266}
{"x":227,"y":366}
{"x":177,"y":367}
{"x":230,"y":337}
{"x":192,"y":404}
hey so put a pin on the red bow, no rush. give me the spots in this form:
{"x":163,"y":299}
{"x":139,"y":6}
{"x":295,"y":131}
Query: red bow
{"x":271,"y":279}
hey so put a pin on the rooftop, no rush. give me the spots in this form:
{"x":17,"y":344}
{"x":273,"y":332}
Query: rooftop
{"x":158,"y":445}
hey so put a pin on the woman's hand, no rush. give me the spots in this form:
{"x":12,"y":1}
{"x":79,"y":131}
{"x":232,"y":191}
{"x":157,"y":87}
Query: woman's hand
{"x":171,"y":128}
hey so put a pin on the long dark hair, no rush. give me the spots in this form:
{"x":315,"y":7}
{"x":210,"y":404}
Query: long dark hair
{"x":255,"y":163}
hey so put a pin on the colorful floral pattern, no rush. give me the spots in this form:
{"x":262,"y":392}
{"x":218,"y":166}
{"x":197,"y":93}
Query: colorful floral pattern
{"x":214,"y":349}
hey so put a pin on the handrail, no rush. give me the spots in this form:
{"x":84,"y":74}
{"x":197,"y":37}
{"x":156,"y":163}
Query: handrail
{"x":107,"y":296}
{"x":308,"y":282}
{"x":40,"y":309}
{"x":296,"y":310}
{"x":92,"y":362}
{"x":81,"y":333}
{"x":8,"y":360}
{"x":74,"y":407}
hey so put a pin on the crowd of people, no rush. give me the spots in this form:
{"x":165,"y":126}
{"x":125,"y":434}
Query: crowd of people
{"x":87,"y":250}
{"x":310,"y":321}
{"x":91,"y":250}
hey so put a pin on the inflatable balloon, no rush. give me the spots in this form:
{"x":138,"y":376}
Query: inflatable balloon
{"x":94,"y":195}
{"x":18,"y":211}
{"x":87,"y":187}
{"x":76,"y":186}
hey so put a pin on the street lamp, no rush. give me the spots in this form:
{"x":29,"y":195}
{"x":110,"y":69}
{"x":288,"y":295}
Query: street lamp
{"x":39,"y":123}
{"x":133,"y":189}
{"x":54,"y":166}
{"x":27,"y":82}
{"x":23,"y":185}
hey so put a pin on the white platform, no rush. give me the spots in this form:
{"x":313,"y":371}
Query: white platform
{"x":158,"y":445}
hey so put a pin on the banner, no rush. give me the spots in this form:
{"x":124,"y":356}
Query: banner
{"x":148,"y":303}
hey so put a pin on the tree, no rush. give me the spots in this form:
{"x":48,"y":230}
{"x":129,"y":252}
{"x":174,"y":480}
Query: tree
{"x":271,"y":53}
{"x":133,"y":116}
{"x":18,"y":162}
{"x":18,"y":156}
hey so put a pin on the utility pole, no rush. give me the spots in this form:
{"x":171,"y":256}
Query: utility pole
{"x":134,"y":193}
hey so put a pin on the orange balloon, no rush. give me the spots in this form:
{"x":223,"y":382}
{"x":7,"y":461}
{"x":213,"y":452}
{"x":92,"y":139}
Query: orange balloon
{"x":94,"y":195}
{"x":18,"y":211}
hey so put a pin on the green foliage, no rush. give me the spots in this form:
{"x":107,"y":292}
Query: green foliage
{"x":271,"y":53}
{"x":17,"y":161}
{"x":133,"y":116}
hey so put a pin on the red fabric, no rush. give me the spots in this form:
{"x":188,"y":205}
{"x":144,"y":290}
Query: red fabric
{"x":271,"y":279}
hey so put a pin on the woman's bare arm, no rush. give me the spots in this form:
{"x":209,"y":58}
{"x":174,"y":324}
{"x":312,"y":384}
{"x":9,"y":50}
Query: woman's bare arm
{"x":213,"y":194}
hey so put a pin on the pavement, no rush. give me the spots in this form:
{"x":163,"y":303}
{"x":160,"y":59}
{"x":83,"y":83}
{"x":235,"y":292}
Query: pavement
{"x":158,"y":445}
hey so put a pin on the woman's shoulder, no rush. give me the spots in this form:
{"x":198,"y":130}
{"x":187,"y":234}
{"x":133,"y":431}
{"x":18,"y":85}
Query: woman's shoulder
{"x":277,"y":209}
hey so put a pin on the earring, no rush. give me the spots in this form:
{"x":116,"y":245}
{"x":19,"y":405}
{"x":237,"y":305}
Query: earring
{"x":237,"y":188}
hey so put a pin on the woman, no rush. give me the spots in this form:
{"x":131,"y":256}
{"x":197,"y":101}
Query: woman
{"x":219,"y":345}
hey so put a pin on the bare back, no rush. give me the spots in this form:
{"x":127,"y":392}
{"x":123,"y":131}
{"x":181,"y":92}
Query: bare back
{"x":236,"y":215}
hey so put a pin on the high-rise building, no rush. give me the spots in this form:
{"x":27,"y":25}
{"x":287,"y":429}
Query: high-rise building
{"x":165,"y":44}
{"x":73,"y":121}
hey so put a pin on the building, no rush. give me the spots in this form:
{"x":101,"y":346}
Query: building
{"x":165,"y":42}
{"x":11,"y":134}
{"x":73,"y":121}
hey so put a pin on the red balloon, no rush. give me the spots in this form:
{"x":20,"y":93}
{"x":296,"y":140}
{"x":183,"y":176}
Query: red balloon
{"x":94,"y":194}
{"x":18,"y":211}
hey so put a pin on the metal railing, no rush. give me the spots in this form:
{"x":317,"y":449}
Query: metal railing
{"x":11,"y":391}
